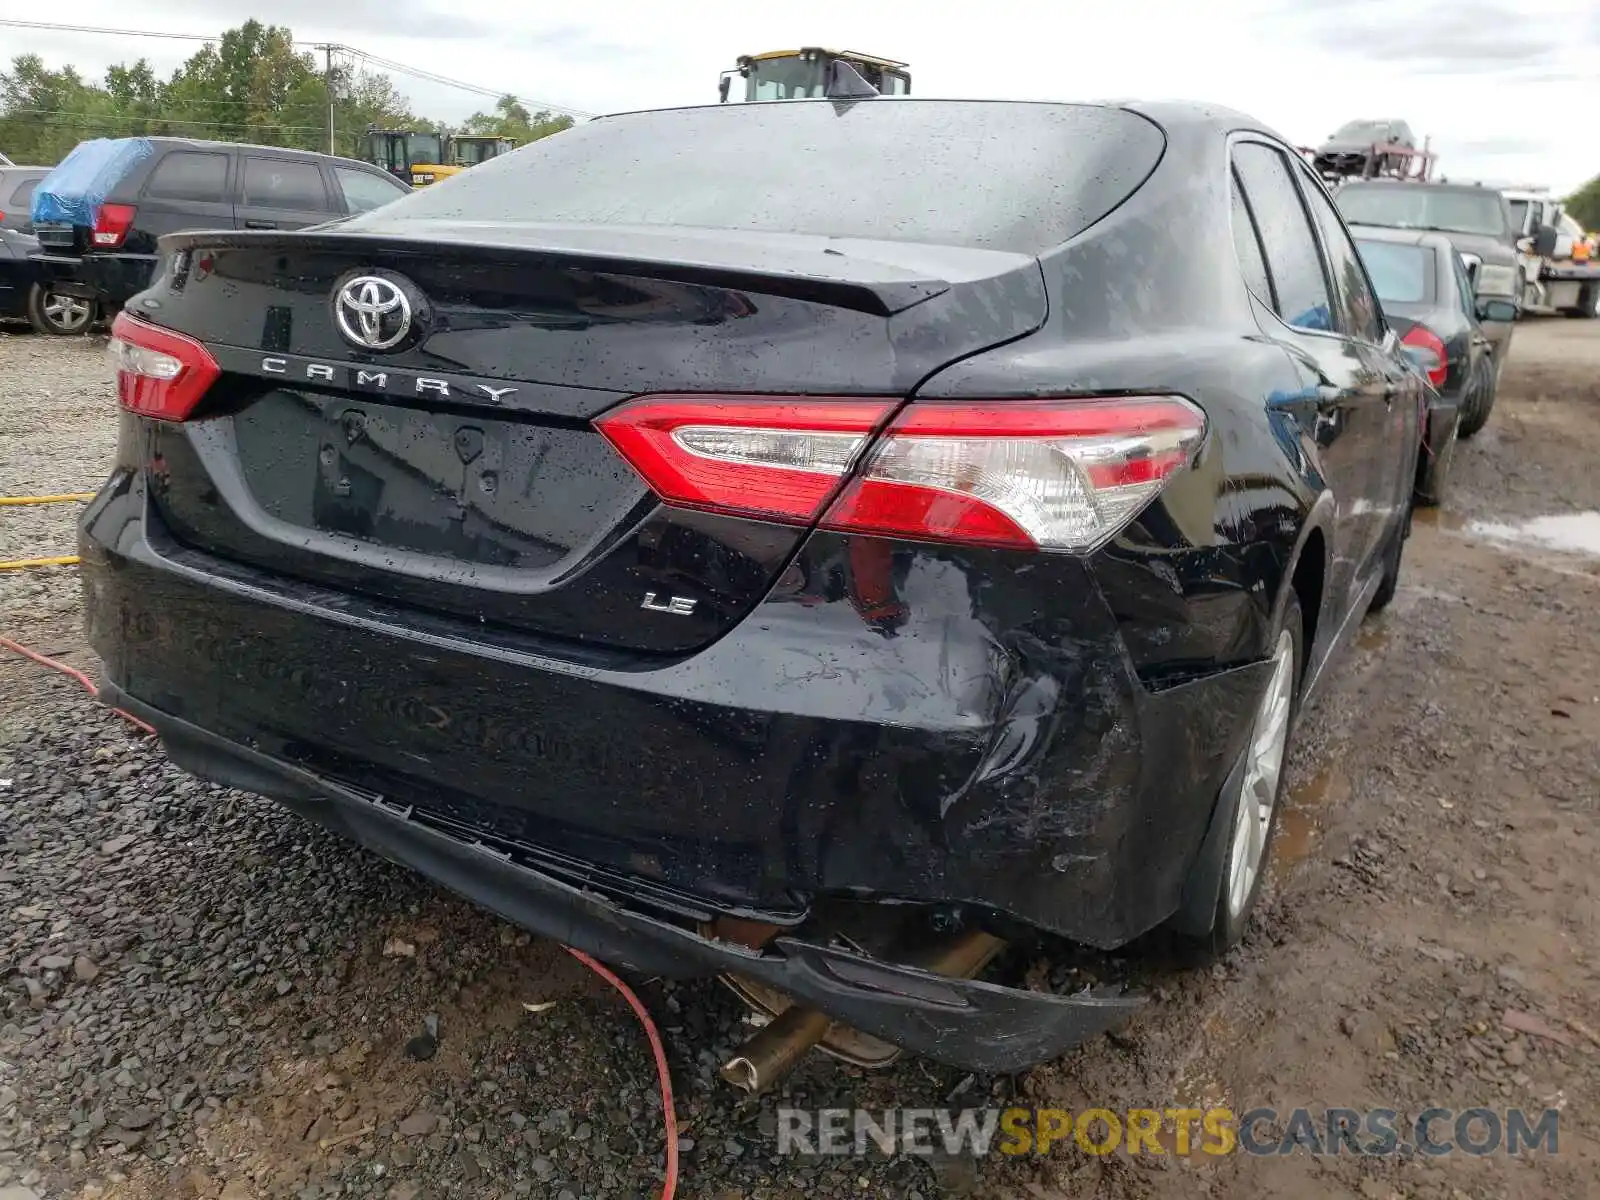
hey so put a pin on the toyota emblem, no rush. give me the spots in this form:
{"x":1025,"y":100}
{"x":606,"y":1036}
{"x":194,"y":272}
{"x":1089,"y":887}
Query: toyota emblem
{"x":372,"y":312}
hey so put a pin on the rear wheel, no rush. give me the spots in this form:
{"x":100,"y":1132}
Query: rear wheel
{"x":1390,"y":583}
{"x":1478,"y":416}
{"x":1431,"y":473}
{"x":1250,"y":805}
{"x":59,"y":313}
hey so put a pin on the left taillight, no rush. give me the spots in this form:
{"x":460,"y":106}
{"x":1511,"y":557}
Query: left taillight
{"x":1437,"y":365}
{"x":160,"y":374}
{"x":111,"y":225}
{"x":1060,"y":474}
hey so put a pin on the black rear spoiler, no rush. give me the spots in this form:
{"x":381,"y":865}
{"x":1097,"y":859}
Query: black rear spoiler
{"x":881,"y":278}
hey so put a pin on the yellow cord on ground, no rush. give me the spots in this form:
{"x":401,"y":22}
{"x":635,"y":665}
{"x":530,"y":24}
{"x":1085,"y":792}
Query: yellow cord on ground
{"x":61,"y":499}
{"x":18,"y":564}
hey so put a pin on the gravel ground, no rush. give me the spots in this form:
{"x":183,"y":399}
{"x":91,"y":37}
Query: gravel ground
{"x":202,"y":996}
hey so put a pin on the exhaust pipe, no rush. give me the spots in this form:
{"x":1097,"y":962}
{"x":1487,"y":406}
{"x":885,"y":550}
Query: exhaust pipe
{"x":777,"y":1048}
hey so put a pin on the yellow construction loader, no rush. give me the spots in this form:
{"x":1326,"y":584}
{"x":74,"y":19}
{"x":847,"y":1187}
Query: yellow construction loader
{"x":804,"y":74}
{"x":423,"y":158}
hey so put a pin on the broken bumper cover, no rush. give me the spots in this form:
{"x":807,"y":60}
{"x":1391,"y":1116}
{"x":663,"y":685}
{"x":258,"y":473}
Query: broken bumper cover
{"x":969,"y":1024}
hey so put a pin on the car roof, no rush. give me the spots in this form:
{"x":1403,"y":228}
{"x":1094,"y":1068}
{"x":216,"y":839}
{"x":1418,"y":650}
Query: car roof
{"x":204,"y":144}
{"x":1429,"y":185}
{"x":1169,"y":114}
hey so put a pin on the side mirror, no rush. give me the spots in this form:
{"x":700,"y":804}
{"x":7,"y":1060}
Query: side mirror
{"x":1544,"y":241}
{"x":722,"y":88}
{"x":1496,"y":310}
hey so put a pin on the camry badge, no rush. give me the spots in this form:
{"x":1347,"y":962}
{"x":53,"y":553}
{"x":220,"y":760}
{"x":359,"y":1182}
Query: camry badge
{"x":372,"y":312}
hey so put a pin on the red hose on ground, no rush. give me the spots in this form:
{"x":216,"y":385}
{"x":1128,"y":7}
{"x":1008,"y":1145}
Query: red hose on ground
{"x":669,"y":1117}
{"x":670,"y":1187}
{"x":88,"y":684}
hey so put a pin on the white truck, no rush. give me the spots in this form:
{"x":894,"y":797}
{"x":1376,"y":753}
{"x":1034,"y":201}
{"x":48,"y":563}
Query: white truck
{"x":1554,"y":280}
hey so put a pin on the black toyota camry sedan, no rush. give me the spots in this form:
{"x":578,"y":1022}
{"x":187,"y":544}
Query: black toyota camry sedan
{"x":816,"y":543}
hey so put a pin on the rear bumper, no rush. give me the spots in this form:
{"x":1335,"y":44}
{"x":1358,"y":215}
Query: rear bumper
{"x":968,"y":1024}
{"x":993,"y":750}
{"x":108,"y":279}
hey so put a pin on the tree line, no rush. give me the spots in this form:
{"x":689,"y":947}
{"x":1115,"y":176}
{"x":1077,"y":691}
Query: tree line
{"x":251,"y":85}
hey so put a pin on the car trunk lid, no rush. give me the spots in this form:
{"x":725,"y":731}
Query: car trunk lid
{"x":459,"y":470}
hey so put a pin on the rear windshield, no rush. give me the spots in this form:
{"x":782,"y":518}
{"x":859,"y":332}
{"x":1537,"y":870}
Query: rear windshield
{"x":1003,"y":176}
{"x":1407,"y":206}
{"x":1400,"y":274}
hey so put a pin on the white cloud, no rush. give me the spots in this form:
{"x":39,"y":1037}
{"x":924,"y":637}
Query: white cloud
{"x":1505,"y":88}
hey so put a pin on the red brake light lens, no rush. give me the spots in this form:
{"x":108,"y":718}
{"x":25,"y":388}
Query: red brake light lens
{"x":160,"y":373}
{"x":111,"y":225}
{"x":772,"y":458}
{"x":1032,"y":474}
{"x":1421,"y":337}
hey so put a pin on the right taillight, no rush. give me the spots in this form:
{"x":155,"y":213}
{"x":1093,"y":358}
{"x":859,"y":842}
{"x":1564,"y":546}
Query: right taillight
{"x":111,"y":225}
{"x":1062,"y":474}
{"x":1420,"y":337}
{"x":160,"y":373}
{"x":1034,"y":474}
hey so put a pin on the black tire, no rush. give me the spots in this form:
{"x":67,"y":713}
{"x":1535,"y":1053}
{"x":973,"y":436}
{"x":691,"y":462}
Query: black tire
{"x":59,"y":314}
{"x":1588,"y":303}
{"x":1207,"y":926}
{"x":1392,"y":554}
{"x":1432,"y":471}
{"x":1478,"y":416}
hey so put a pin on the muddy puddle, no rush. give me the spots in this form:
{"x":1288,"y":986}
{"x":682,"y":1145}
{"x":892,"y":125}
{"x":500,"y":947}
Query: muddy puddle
{"x":1304,"y":813}
{"x":1575,"y":533}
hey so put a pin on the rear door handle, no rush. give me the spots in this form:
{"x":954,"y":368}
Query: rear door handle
{"x":260,"y":224}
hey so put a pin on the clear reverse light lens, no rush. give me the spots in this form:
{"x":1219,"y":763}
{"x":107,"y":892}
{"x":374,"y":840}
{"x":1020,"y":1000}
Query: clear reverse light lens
{"x":139,"y":360}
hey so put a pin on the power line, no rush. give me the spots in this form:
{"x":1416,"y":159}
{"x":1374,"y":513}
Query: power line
{"x":355,"y":52}
{"x":56,"y":28}
{"x":433,"y":77}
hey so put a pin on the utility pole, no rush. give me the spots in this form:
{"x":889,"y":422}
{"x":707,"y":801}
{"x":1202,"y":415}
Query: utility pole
{"x":327,"y":49}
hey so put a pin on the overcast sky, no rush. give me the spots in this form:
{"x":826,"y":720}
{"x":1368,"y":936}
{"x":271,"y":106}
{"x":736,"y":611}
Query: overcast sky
{"x":1508,"y":89}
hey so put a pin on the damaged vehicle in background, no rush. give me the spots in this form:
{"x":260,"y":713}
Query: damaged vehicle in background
{"x":816,"y":586}
{"x":1427,"y":299}
{"x":1357,"y":147}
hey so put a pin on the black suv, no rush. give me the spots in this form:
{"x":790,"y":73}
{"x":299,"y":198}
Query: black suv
{"x":16,"y":195}
{"x":98,"y":239}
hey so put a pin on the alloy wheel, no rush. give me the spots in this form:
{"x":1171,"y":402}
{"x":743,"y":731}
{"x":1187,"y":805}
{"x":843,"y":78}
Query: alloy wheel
{"x":1269,"y":738}
{"x":69,"y":314}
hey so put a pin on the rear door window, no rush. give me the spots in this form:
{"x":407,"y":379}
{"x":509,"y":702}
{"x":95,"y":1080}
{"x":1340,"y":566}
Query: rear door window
{"x":1458,"y":272}
{"x":189,"y":175}
{"x":282,"y":183}
{"x":1247,"y":245}
{"x":364,"y":190}
{"x":1301,"y":287}
{"x":24,"y":193}
{"x":1358,"y":311}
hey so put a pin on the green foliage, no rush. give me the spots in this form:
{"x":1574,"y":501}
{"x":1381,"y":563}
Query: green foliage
{"x":1584,"y":204}
{"x":249,"y":86}
{"x":511,"y":119}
